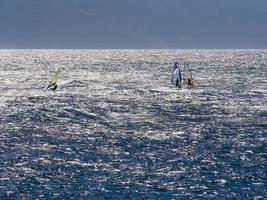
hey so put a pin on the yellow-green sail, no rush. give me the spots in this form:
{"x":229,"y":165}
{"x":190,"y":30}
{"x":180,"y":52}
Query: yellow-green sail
{"x":56,"y":76}
{"x":53,"y":83}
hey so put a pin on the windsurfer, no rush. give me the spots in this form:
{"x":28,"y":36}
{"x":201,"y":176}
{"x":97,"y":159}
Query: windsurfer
{"x":178,"y":84}
{"x":52,"y":86}
{"x":189,"y":82}
{"x":53,"y":83}
{"x":177,"y":76}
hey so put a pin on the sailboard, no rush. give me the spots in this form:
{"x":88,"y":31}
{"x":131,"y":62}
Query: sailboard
{"x":53,"y":83}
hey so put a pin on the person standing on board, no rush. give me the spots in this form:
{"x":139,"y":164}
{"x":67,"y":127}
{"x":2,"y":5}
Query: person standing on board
{"x":53,"y":83}
{"x":53,"y":86}
{"x":189,"y":78}
{"x":189,"y":82}
{"x":177,"y":76}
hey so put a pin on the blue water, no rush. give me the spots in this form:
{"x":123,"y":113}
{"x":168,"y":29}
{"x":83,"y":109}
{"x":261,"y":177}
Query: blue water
{"x":117,"y":129}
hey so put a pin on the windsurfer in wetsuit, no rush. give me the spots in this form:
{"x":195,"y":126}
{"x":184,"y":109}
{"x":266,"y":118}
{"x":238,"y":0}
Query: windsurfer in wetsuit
{"x":177,"y":76}
{"x":52,"y":86}
{"x":190,"y":82}
{"x":178,"y":84}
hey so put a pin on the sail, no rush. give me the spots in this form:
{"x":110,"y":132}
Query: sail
{"x":53,"y":83}
{"x":177,"y":76}
{"x":180,"y":74}
{"x":176,"y":65}
{"x":187,"y":75}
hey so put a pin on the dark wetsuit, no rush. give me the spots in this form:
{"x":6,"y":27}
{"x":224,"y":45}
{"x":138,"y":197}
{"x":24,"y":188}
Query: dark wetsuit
{"x":190,"y":83}
{"x":55,"y":87}
{"x":178,"y":84}
{"x":52,"y":87}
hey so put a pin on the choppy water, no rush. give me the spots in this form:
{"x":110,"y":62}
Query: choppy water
{"x":117,"y":129}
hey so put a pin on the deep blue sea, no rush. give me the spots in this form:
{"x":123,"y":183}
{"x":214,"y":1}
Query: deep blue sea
{"x":116,"y":128}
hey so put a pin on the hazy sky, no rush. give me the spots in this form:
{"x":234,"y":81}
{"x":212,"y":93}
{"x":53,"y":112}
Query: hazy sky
{"x":133,"y":24}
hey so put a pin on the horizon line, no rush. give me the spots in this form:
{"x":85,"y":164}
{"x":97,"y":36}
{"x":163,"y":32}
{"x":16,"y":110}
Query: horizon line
{"x":133,"y":48}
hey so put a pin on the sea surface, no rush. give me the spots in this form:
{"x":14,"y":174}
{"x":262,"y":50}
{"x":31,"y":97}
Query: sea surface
{"x":116,"y":128}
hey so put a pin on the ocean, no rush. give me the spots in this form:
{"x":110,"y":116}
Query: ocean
{"x":116,"y":128}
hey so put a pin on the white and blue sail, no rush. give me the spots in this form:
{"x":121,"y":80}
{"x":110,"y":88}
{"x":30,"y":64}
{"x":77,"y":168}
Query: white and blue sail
{"x":177,"y":75}
{"x":175,"y":66}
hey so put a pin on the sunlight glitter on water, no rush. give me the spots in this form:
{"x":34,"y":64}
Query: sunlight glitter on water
{"x":116,"y":128}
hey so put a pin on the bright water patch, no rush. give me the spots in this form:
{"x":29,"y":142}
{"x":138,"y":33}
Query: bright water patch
{"x":116,"y":128}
